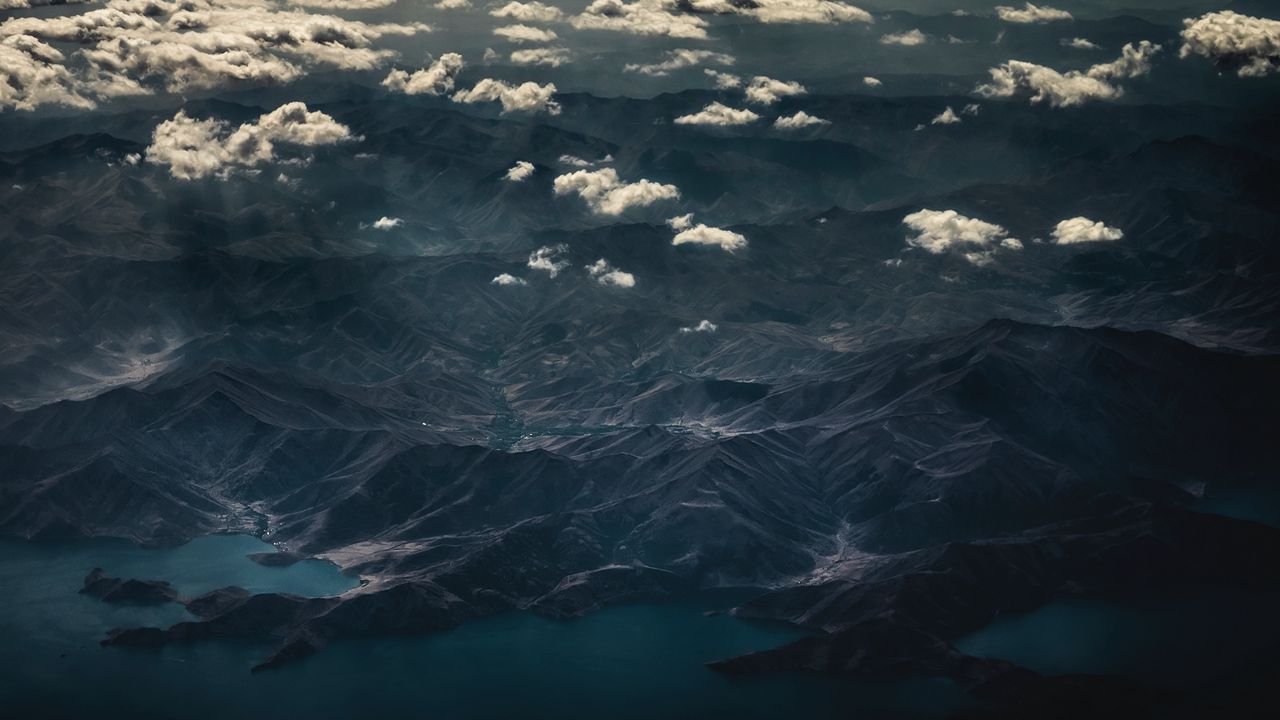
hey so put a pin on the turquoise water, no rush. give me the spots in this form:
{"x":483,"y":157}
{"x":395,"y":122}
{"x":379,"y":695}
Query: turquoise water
{"x":634,"y":661}
{"x":1184,"y":637}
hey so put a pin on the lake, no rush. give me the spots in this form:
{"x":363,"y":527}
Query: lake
{"x":631,"y":661}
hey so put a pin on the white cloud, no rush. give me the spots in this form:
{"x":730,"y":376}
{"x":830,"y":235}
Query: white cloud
{"x":908,"y":38}
{"x":703,"y":326}
{"x":524,"y":33}
{"x":526,"y":97}
{"x":723,"y":81}
{"x":547,"y":259}
{"x":508,"y":279}
{"x":766,"y":91}
{"x":726,"y":240}
{"x":387,"y":223}
{"x":1249,"y":45}
{"x":141,"y":47}
{"x":871,"y":82}
{"x":605,"y":194}
{"x":552,"y":56}
{"x":642,"y":17}
{"x":680,"y":222}
{"x":938,"y":231}
{"x":436,"y":79}
{"x":804,"y":11}
{"x":1073,"y":87}
{"x":946,"y":117}
{"x":1031,"y":14}
{"x":680,"y":59}
{"x":1079,"y":44}
{"x":971,"y":109}
{"x":801,"y":119}
{"x":718,"y":115}
{"x":606,"y":274}
{"x":528,"y":12}
{"x":452,"y":4}
{"x":1083,"y":230}
{"x":520,"y":171}
{"x":198,"y":148}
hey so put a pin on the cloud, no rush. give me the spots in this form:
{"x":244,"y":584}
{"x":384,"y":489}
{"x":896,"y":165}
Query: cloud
{"x":387,"y":223}
{"x":605,"y":194}
{"x":436,"y":79}
{"x":1079,"y":44}
{"x":871,"y":82}
{"x":726,"y":240}
{"x":520,"y":171}
{"x":552,"y":56}
{"x":724,"y":81}
{"x":680,"y":59}
{"x":680,"y":222}
{"x":946,"y":117}
{"x":703,"y":326}
{"x":526,"y":97}
{"x":642,"y":17}
{"x":1031,"y":14}
{"x":801,"y":119}
{"x":524,"y":33}
{"x":1248,"y":45}
{"x":195,"y":149}
{"x":907,"y":39}
{"x":1073,"y":87}
{"x":452,"y":4}
{"x":606,"y":274}
{"x":340,"y":4}
{"x":804,"y":11}
{"x":718,"y":115}
{"x":528,"y":12}
{"x":938,"y":231}
{"x":766,"y":91}
{"x":24,"y":4}
{"x":1083,"y":230}
{"x":141,"y":47}
{"x":547,"y":259}
{"x":508,"y":279}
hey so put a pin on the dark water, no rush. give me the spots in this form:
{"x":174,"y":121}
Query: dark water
{"x":1193,"y":638}
{"x":637,"y":661}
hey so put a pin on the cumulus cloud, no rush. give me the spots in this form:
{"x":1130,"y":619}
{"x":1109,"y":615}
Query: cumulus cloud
{"x":822,"y":12}
{"x":1079,"y":44}
{"x":680,"y":59}
{"x":528,"y":12}
{"x":1083,"y":230}
{"x":606,"y":274}
{"x":436,"y":79}
{"x":718,"y":115}
{"x":195,"y":148}
{"x":766,"y":91}
{"x":871,"y":82}
{"x":908,"y":38}
{"x":937,"y":231}
{"x":723,"y":81}
{"x":1073,"y":87}
{"x":642,"y":17}
{"x":1029,"y":13}
{"x":800,"y":120}
{"x":520,"y":171}
{"x":946,"y":117}
{"x":605,"y":194}
{"x":547,"y":259}
{"x":452,"y":4}
{"x":680,"y":222}
{"x":141,"y":47}
{"x":703,"y":326}
{"x":524,"y":33}
{"x":1248,"y":45}
{"x":552,"y":56}
{"x":508,"y":279}
{"x":700,"y":234}
{"x":525,"y":97}
{"x":386,"y":223}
